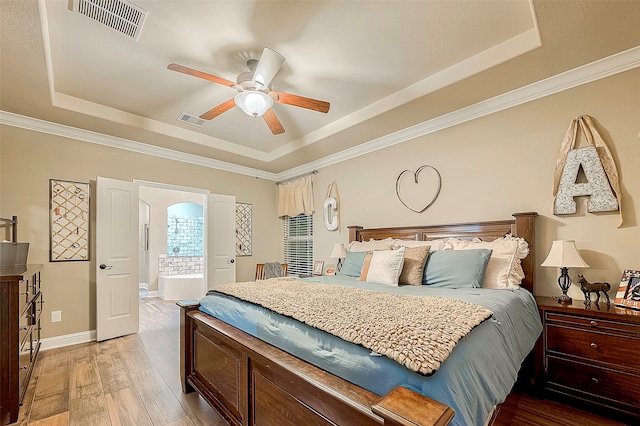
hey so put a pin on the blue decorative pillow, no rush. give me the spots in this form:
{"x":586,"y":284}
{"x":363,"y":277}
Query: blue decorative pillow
{"x":352,"y":266}
{"x":456,"y":268}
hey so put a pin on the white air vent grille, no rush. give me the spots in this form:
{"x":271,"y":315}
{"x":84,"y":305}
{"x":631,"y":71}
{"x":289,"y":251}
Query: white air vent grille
{"x":191,"y":119}
{"x":121,"y":15}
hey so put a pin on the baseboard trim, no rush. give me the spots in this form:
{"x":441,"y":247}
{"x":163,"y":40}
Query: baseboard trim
{"x":74,"y":338}
{"x":67,"y":340}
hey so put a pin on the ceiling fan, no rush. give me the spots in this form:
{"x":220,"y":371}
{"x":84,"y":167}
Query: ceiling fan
{"x":255,"y":96}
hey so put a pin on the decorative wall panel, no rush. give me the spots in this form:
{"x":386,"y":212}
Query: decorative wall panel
{"x":69,"y":220}
{"x":243,"y":229}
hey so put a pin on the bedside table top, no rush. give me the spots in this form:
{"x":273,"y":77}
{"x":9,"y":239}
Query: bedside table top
{"x":593,"y":310}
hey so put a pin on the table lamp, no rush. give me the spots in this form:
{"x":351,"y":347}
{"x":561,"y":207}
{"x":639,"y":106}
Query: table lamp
{"x":340,"y":252}
{"x":564,"y":255}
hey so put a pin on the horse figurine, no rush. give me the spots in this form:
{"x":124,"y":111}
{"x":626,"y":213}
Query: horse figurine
{"x":588,"y":288}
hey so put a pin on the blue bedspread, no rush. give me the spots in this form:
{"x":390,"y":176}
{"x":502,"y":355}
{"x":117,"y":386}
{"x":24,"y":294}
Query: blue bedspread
{"x":478,"y":374}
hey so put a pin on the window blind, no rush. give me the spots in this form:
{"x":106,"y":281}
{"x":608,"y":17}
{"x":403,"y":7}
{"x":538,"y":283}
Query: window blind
{"x":298,"y":244}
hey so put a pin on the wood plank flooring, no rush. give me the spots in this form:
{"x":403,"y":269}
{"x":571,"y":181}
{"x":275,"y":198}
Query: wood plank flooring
{"x":524,"y":410}
{"x":135,"y":380}
{"x":131,"y":380}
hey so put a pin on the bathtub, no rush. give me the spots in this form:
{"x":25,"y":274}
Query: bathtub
{"x":181,"y":287}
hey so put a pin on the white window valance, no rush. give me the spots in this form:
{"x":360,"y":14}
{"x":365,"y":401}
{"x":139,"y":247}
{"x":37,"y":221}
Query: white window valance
{"x":296,"y":197}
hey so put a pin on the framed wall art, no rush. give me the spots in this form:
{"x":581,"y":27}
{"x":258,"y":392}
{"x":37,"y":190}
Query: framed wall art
{"x":68,"y":220}
{"x":243,"y":229}
{"x":628,"y":294}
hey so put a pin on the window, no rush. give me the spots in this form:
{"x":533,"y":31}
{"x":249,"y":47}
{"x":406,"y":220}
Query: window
{"x":185,"y":230}
{"x":298,"y":244}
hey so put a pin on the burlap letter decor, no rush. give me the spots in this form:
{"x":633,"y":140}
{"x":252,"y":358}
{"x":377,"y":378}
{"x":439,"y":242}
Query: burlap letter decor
{"x":602,"y":186}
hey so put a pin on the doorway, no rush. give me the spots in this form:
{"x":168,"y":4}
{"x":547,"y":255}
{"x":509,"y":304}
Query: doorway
{"x":119,"y":241}
{"x":172,"y":230}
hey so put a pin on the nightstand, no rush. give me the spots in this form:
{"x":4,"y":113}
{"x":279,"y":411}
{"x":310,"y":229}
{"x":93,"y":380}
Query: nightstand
{"x":590,"y":355}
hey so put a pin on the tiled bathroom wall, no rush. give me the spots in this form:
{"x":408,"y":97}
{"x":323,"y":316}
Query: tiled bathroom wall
{"x":180,"y":265}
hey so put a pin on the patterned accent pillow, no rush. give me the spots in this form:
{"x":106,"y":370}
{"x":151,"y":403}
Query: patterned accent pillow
{"x":385,"y":266}
{"x":415,"y":259}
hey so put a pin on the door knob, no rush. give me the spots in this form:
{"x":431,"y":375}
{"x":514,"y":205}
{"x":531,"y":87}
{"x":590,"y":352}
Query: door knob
{"x":231,"y":261}
{"x":103,"y":266}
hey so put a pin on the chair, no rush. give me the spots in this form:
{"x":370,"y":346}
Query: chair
{"x":260,"y":270}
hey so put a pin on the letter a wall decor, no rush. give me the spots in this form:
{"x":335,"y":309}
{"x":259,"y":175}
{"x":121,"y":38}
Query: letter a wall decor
{"x":602,"y":186}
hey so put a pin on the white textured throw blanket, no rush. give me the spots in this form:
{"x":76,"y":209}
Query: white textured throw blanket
{"x":418,"y":332}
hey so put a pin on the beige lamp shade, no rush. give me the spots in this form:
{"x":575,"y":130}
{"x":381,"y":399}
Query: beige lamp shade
{"x":339,"y":251}
{"x":564,"y":254}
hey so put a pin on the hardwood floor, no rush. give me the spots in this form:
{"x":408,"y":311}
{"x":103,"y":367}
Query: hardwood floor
{"x":135,"y":380}
{"x":524,"y":410}
{"x":131,"y":380}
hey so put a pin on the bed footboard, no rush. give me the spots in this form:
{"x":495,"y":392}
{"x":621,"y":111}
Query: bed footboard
{"x":250,"y":382}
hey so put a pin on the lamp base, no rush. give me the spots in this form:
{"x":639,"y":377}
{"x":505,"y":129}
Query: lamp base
{"x":564,"y":281}
{"x":564,"y":299}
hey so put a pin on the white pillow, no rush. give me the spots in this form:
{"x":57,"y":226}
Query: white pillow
{"x":410,"y":243}
{"x":371,"y":245}
{"x":386,"y":266}
{"x":504,"y":269}
{"x":439,"y":244}
{"x":436,"y":243}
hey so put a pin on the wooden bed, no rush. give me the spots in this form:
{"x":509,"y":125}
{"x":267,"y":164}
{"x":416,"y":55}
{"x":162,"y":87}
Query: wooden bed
{"x":250,"y":382}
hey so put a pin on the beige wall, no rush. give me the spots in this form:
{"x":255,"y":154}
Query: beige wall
{"x":30,"y":159}
{"x":501,"y":164}
{"x":491,"y":167}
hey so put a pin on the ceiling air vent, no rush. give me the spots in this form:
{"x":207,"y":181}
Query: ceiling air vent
{"x":191,"y":119}
{"x":121,"y":15}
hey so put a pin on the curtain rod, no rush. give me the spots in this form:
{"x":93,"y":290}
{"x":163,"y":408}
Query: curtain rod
{"x":312,"y":172}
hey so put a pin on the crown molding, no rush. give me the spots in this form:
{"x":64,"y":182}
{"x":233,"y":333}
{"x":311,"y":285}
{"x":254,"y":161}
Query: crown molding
{"x":606,"y":67}
{"x":65,"y":131}
{"x":482,"y":61}
{"x":501,"y":52}
{"x":602,"y":68}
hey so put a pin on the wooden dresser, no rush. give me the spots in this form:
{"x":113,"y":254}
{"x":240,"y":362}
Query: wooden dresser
{"x":20,"y":309}
{"x":590,"y":355}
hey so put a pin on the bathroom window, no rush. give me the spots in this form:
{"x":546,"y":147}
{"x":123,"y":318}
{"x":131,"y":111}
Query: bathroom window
{"x":185,"y":230}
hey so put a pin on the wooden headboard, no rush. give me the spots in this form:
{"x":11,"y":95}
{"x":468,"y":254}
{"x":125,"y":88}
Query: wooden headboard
{"x":523,"y":226}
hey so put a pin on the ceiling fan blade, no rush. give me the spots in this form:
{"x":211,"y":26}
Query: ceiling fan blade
{"x":200,"y":74}
{"x":272,"y":121}
{"x":301,"y":101}
{"x":268,"y":66}
{"x":216,"y":111}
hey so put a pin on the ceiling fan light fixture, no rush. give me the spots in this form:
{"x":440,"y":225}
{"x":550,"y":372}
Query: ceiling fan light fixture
{"x":253,"y":103}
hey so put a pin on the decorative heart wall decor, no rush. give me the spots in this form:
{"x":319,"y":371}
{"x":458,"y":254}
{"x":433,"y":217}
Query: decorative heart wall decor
{"x":435,"y":187}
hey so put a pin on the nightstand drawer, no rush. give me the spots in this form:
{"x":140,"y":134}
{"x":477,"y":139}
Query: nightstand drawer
{"x":589,"y":380}
{"x":607,"y":348}
{"x":593,"y":323}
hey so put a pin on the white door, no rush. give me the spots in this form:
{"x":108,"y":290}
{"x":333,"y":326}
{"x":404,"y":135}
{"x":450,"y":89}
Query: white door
{"x":116,"y":258}
{"x":221,"y":239}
